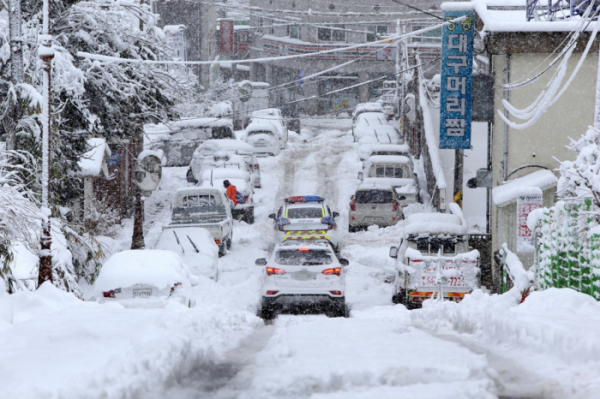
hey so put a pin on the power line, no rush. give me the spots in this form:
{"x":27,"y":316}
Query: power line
{"x":417,"y":9}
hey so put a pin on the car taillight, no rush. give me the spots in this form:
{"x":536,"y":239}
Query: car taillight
{"x":353,"y":204}
{"x":174,"y":287}
{"x":245,"y":199}
{"x":394,"y":205}
{"x":217,"y":242}
{"x":274,"y":270}
{"x":333,"y":270}
{"x":109,"y":294}
{"x":272,"y":292}
{"x":256,"y":166}
{"x":336,"y":292}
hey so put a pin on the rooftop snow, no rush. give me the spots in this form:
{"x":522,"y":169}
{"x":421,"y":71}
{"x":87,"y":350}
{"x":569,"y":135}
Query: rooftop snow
{"x":434,"y":227}
{"x":530,"y":184}
{"x":261,"y":125}
{"x":187,"y":123}
{"x":511,"y":20}
{"x":388,"y":159}
{"x":433,"y":217}
{"x":91,"y":162}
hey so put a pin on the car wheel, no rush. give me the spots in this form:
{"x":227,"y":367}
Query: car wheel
{"x":267,"y":313}
{"x":399,"y":298}
{"x":222,"y":250}
{"x":250,"y":217}
{"x":352,"y":229}
{"x":190,"y":177}
{"x":229,"y":241}
{"x":338,"y":308}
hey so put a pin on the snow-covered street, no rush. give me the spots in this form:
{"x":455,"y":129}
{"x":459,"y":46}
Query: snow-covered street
{"x":484,"y":347}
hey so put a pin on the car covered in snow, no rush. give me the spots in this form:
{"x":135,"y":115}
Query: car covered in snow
{"x":195,"y":246}
{"x":393,"y":170}
{"x":241,"y":179}
{"x":145,"y":279}
{"x":374,"y":204}
{"x":179,"y":140}
{"x":207,"y":208}
{"x":433,"y":259}
{"x":208,"y":149}
{"x":365,"y":120}
{"x":382,"y":134}
{"x":366,"y":107}
{"x":303,"y":276}
{"x":367,"y":150}
{"x":275,"y":116}
{"x":304,"y":217}
{"x":264,"y":137}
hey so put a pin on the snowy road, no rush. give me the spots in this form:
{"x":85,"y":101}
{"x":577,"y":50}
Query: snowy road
{"x":381,"y":350}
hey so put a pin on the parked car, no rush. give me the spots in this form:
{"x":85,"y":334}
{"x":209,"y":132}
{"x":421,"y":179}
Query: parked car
{"x":179,"y":140}
{"x":381,"y":134}
{"x":195,"y":246}
{"x":365,"y":120}
{"x":367,"y":150}
{"x":433,"y":259}
{"x":304,"y":276}
{"x":306,"y":216}
{"x":374,"y":204}
{"x":145,"y":279}
{"x":207,"y":208}
{"x":395,"y":171}
{"x":275,"y":116}
{"x":264,"y":137}
{"x":210,"y":147}
{"x":244,"y":210}
{"x":365,"y":107}
{"x":251,"y":96}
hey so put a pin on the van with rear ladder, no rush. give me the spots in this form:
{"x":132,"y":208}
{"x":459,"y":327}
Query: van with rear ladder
{"x":433,"y":260}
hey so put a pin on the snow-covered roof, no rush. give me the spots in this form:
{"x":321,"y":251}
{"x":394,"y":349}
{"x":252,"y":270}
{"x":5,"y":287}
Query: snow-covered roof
{"x":511,"y":16}
{"x":365,"y":150}
{"x":173,"y":127}
{"x":373,"y":185}
{"x":258,"y":125}
{"x":434,"y":223}
{"x":531,"y":184}
{"x":388,"y":159}
{"x":255,"y":85}
{"x":211,"y":146}
{"x":91,"y":162}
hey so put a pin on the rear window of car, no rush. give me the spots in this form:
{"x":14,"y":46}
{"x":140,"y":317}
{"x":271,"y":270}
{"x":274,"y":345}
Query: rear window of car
{"x":433,"y":247}
{"x":295,"y":257}
{"x":255,"y":132}
{"x":374,"y":197}
{"x":395,"y":171}
{"x":387,"y":153}
{"x":199,"y":200}
{"x":304,"y":213}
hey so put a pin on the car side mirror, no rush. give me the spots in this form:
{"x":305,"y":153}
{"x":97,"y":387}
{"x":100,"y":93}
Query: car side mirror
{"x":394,"y":252}
{"x":335,"y":214}
{"x":272,"y":216}
{"x":472,"y":183}
{"x":360,"y":175}
{"x":260,"y":262}
{"x":344,"y":262}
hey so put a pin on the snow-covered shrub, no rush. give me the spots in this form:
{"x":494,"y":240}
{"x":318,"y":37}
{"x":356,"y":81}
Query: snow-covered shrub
{"x":101,"y":218}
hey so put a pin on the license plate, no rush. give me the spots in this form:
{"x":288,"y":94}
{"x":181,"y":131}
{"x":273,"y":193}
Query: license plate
{"x":142,"y":292}
{"x":304,"y":276}
{"x":373,"y":220}
{"x":431,"y":281}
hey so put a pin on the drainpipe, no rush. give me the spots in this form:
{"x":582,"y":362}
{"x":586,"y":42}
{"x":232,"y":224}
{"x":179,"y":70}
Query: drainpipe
{"x":506,"y":97}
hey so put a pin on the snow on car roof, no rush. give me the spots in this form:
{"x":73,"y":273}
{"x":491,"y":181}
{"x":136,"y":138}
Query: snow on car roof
{"x":444,"y":223}
{"x":366,"y":149}
{"x":195,"y":189}
{"x":530,"y":184}
{"x":91,"y":162}
{"x":201,"y":238}
{"x":154,"y":267}
{"x":267,"y":113}
{"x":310,"y":244}
{"x":225,"y":144}
{"x":391,"y":181}
{"x":240,"y":184}
{"x":261,"y":125}
{"x":224,"y":173}
{"x":372,"y":185}
{"x":388,"y":159}
{"x":173,"y":127}
{"x":376,"y":118}
{"x":369,"y":107}
{"x":305,"y":205}
{"x":408,"y":189}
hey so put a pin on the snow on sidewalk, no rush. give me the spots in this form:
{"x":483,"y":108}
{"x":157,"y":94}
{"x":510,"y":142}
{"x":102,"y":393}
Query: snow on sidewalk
{"x":374,"y":354}
{"x":56,"y":346}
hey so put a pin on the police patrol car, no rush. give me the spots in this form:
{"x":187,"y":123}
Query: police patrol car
{"x":306,"y":217}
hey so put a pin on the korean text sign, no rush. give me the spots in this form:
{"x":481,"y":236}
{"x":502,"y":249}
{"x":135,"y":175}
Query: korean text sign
{"x":525,"y":205}
{"x":456,"y":84}
{"x":227,"y":39}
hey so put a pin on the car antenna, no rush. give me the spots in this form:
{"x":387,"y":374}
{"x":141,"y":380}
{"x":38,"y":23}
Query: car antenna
{"x":193,"y":245}
{"x":177,"y":238}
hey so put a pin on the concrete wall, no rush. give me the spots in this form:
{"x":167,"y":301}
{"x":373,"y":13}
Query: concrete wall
{"x":546,"y":139}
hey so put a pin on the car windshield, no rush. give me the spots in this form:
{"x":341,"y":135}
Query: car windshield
{"x":303,"y":257}
{"x":387,"y":153}
{"x":433,"y":246}
{"x":373,"y":197}
{"x":305,"y":213}
{"x":198,"y":200}
{"x":257,"y":132}
{"x":396,"y":171}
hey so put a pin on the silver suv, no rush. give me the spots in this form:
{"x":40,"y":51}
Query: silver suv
{"x":374,"y":204}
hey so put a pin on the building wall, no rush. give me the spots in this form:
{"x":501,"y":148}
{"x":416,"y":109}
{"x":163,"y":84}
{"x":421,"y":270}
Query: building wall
{"x":200,"y":20}
{"x":546,"y":139}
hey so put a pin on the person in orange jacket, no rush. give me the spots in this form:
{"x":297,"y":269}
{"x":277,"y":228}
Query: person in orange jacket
{"x":231,"y":191}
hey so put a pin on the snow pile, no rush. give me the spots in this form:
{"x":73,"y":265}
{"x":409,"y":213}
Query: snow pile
{"x":521,"y":278}
{"x":57,"y":346}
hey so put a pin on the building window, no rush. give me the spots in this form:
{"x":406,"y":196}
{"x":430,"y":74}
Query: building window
{"x":432,"y":36}
{"x":332,"y":35}
{"x":376,"y":32}
{"x":294,"y":32}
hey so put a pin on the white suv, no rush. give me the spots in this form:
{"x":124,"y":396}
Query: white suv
{"x":303,"y":276}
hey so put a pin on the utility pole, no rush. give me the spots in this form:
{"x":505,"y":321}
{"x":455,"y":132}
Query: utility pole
{"x":137,"y":239}
{"x":16,"y":60}
{"x":458,"y":176}
{"x":46,"y":53}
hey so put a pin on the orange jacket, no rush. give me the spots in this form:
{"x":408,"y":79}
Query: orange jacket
{"x":231,"y":193}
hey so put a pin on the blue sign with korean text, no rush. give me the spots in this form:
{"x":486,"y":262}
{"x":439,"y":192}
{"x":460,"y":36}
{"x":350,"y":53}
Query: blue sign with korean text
{"x":457,"y":77}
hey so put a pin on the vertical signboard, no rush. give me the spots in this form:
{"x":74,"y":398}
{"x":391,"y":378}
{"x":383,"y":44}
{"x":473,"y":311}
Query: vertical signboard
{"x":226,"y":34}
{"x":525,"y":205}
{"x":457,"y":76}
